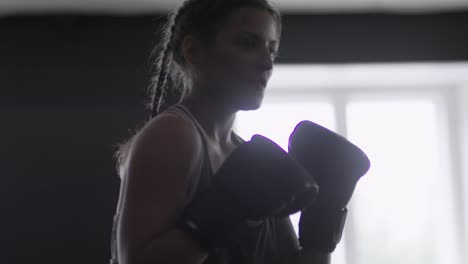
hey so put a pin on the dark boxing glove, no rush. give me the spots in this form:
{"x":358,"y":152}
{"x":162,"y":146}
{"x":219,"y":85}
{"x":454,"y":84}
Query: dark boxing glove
{"x":257,"y":180}
{"x":337,"y":165}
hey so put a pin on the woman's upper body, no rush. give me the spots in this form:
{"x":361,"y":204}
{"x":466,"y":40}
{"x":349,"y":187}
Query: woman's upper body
{"x":259,"y":241}
{"x":151,"y":201}
{"x":224,"y":50}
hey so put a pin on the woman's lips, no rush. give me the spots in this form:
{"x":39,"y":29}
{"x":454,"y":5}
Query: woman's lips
{"x":260,"y":83}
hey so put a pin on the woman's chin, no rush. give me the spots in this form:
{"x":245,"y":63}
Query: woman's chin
{"x":251,"y":103}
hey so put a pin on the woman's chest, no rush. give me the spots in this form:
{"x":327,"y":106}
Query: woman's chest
{"x":218,"y":155}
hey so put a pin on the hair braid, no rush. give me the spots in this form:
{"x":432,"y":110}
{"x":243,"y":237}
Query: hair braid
{"x":165,"y":61}
{"x":162,"y":64}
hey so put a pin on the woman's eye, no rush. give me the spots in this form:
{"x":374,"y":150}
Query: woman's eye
{"x":247,"y":42}
{"x":251,"y":43}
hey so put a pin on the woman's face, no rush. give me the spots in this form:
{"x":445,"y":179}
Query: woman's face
{"x":238,"y":65}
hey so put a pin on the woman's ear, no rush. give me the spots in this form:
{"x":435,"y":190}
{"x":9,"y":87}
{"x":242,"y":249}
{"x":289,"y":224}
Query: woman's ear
{"x":191,"y":50}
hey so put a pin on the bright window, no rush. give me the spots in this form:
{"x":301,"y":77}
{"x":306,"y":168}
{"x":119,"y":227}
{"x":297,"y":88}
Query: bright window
{"x":403,"y":209}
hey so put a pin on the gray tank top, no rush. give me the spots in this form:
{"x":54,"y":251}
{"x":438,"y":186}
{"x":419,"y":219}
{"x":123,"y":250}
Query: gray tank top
{"x":254,"y":242}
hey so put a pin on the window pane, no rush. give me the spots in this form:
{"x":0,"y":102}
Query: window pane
{"x":402,"y":211}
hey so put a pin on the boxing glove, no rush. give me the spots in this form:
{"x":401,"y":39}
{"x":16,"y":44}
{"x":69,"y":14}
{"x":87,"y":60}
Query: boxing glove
{"x":336,"y":165}
{"x":257,"y":180}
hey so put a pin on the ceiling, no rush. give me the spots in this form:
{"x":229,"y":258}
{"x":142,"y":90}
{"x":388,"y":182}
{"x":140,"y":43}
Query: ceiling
{"x":128,"y":7}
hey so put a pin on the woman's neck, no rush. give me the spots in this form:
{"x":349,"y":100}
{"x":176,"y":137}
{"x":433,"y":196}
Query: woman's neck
{"x":215,"y":117}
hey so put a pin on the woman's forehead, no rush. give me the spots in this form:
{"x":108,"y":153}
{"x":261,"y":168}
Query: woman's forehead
{"x":254,"y":20}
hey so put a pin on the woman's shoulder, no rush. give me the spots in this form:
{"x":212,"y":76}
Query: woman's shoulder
{"x":168,"y":127}
{"x":165,"y":138}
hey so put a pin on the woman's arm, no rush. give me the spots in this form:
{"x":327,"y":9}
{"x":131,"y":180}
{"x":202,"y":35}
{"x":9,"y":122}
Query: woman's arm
{"x":161,"y":161}
{"x":290,"y":249}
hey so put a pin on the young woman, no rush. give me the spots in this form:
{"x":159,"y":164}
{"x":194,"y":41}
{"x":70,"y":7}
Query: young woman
{"x":215,"y":59}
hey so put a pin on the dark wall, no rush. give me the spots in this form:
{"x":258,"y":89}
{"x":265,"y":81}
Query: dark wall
{"x":59,"y":186}
{"x":72,"y":86}
{"x":375,"y":38}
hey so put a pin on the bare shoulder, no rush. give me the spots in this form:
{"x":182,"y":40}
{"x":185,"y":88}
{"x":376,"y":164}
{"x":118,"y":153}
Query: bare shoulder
{"x":164,"y":152}
{"x":168,"y":136}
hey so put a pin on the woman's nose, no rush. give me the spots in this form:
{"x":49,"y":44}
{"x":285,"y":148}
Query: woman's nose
{"x":266,"y":60}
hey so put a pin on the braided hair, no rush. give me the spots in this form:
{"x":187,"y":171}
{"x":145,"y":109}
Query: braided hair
{"x":169,"y":83}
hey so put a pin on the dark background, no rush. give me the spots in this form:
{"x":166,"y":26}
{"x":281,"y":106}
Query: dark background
{"x":72,"y":86}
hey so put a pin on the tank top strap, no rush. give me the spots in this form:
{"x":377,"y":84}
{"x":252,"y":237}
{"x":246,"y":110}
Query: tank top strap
{"x":199,"y":182}
{"x":187,"y":115}
{"x":182,"y":111}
